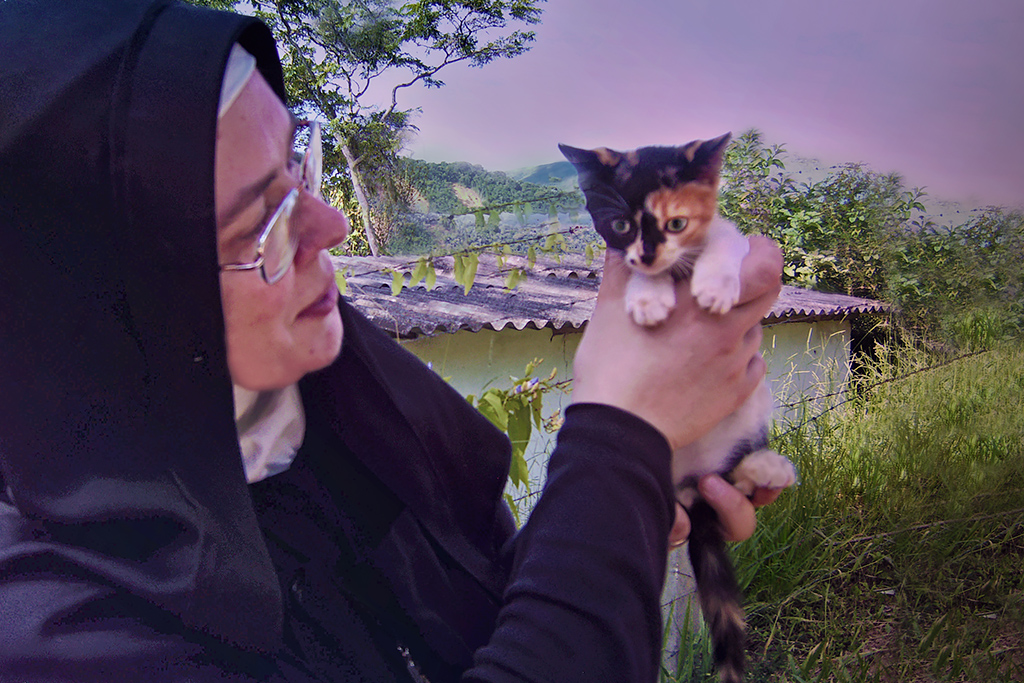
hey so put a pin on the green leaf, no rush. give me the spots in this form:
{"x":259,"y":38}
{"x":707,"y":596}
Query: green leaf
{"x":536,"y":405}
{"x":519,"y":427}
{"x":519,"y":431}
{"x":339,"y":277}
{"x":419,"y":272}
{"x":397,"y":281}
{"x":472,"y":261}
{"x":589,"y":253}
{"x":519,"y":471}
{"x":459,"y":269}
{"x":479,"y":219}
{"x":531,"y":255}
{"x":494,"y":410}
{"x":514,"y":277}
{"x":431,"y":276}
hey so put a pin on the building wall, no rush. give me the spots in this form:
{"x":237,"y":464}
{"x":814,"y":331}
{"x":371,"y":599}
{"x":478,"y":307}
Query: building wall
{"x":806,"y":360}
{"x":474,"y":361}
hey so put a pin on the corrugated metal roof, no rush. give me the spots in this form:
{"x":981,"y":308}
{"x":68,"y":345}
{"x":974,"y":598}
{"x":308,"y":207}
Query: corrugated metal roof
{"x":558,"y":295}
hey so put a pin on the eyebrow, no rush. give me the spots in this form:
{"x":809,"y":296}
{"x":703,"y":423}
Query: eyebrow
{"x":248,"y":194}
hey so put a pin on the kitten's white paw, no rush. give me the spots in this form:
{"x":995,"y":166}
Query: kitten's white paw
{"x":716,"y":292}
{"x":649,"y":302}
{"x":649,"y":311}
{"x":763,"y":469}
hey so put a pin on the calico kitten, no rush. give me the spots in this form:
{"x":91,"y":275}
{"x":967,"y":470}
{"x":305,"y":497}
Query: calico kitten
{"x":658,"y":206}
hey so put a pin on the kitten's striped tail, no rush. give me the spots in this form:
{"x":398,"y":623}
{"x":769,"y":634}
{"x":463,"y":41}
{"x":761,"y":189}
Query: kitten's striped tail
{"x":720,"y":597}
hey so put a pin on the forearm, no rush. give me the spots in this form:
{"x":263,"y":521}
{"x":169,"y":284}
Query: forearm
{"x":582,"y":603}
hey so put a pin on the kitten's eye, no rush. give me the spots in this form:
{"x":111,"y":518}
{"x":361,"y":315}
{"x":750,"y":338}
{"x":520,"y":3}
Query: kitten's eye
{"x":620,"y":226}
{"x":676,"y":225}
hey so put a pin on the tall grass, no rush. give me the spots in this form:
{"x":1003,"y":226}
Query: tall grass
{"x":900,"y":555}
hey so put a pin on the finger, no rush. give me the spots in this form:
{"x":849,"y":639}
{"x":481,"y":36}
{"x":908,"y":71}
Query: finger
{"x":752,"y":375}
{"x":756,"y":370}
{"x":753,"y":336}
{"x":735,"y":511}
{"x":614,"y":275}
{"x":764,"y":496}
{"x":680,"y":528}
{"x":761,"y":271}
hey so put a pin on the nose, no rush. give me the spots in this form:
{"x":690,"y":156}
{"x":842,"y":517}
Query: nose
{"x":320,"y":226}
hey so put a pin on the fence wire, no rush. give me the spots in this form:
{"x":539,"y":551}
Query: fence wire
{"x":868,"y":387}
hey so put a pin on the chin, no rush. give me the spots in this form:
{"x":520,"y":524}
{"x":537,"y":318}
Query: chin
{"x":325,"y":345}
{"x":312,"y":347}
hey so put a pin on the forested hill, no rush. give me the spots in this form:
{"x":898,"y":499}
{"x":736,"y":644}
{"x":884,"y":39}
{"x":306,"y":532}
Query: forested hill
{"x":560,"y":174}
{"x":453,"y":188}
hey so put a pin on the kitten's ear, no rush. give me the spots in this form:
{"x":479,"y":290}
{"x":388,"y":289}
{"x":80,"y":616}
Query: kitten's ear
{"x":589,"y":163}
{"x":582,"y":159}
{"x":709,"y":156}
{"x":575,"y":155}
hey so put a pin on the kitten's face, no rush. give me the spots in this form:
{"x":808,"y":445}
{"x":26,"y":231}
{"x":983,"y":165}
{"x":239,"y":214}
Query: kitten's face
{"x":655,"y":203}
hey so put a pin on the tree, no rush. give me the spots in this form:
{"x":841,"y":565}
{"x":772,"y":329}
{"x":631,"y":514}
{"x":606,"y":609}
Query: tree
{"x":836,"y":233}
{"x":337,"y":53}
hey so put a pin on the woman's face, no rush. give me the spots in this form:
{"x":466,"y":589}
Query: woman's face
{"x":275,"y":333}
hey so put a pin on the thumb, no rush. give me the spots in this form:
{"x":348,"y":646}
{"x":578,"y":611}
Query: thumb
{"x":614,"y":276}
{"x":735,"y":511}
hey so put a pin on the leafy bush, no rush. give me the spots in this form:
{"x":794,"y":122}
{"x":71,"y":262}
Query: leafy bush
{"x":863,"y":233}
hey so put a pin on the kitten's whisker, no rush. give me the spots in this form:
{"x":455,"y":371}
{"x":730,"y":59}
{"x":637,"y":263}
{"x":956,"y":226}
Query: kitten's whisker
{"x":682,"y":268}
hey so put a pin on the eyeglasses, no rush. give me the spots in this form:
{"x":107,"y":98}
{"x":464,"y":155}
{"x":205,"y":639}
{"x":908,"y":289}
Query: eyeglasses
{"x":278,"y":243}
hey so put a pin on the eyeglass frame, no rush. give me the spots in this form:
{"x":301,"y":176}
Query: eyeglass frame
{"x":310,"y":180}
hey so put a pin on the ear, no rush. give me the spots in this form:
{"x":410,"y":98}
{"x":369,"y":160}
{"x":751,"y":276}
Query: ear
{"x":708,"y":158}
{"x":582,"y":159}
{"x":590,"y":164}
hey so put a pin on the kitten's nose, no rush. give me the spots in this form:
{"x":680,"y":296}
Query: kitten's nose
{"x":647,"y":259}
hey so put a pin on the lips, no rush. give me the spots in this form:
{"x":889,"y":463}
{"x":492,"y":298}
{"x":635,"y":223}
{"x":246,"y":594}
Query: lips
{"x":323,"y":306}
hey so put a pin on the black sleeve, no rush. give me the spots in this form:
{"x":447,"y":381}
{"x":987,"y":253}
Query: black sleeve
{"x":583,"y":600}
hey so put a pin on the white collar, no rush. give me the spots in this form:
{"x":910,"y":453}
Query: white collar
{"x":271,"y":425}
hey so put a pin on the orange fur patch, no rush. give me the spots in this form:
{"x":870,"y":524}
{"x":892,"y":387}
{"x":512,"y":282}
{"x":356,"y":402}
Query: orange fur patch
{"x":695,"y":202}
{"x":691,"y":149}
{"x":606,"y":156}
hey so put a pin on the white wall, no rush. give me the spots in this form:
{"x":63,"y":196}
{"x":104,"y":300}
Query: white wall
{"x":474,"y":361}
{"x":806,"y":360}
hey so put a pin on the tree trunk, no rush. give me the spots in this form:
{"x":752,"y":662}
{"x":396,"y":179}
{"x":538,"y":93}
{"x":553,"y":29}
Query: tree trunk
{"x":359,"y":189}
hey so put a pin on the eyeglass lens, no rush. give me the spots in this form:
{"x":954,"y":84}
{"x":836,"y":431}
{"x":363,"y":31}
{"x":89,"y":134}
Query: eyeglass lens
{"x":281,"y":241}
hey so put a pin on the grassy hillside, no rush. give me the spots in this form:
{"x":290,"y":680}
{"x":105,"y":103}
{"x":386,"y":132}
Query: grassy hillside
{"x":560,"y":174}
{"x":454,"y":188}
{"x":459,"y":205}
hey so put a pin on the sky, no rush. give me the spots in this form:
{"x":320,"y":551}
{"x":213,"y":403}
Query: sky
{"x":932,"y":89}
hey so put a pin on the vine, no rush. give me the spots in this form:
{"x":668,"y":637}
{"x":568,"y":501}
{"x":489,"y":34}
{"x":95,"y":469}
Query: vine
{"x":517,"y":410}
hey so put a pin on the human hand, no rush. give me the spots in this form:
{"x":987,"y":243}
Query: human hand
{"x":735,"y":511}
{"x":687,"y":374}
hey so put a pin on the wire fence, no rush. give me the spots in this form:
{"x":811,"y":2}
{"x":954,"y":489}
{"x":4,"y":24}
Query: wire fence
{"x":844,"y":393}
{"x":860,"y":389}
